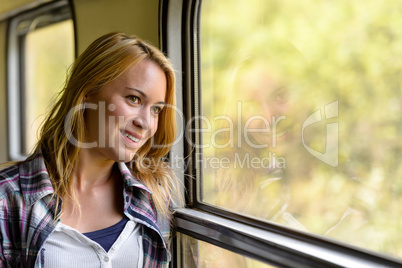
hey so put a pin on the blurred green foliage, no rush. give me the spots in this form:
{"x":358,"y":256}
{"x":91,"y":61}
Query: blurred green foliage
{"x":292,"y":58}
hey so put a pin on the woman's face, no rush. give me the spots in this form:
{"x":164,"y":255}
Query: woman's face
{"x":265,"y":107}
{"x":123,"y":115}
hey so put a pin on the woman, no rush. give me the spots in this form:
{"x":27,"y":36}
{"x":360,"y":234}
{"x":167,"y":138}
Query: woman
{"x":74,"y":202}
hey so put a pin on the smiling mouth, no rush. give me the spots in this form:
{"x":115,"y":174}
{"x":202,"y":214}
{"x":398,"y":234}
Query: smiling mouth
{"x":130,"y":137}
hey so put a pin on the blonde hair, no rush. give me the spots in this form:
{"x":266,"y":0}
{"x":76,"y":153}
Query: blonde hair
{"x":103,"y":61}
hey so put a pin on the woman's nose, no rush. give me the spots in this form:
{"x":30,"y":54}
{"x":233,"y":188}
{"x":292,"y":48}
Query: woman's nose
{"x":143,"y":119}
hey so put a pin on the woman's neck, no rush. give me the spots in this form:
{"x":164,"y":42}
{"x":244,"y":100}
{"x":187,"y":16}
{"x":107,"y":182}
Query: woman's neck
{"x":92,"y":170}
{"x":98,"y":192}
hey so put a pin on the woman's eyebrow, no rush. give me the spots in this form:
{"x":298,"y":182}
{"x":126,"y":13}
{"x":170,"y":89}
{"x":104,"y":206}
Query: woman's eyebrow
{"x":139,"y":91}
{"x":161,"y":103}
{"x":145,"y":95}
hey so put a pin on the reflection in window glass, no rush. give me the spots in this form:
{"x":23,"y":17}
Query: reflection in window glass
{"x":304,"y":102}
{"x":204,"y":255}
{"x":49,"y":51}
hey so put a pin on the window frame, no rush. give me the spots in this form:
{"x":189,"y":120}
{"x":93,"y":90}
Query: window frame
{"x":264,"y":241}
{"x":55,"y":12}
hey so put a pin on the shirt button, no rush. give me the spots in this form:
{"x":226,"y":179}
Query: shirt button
{"x":123,"y":236}
{"x":127,"y":198}
{"x":106,"y":259}
{"x":130,"y":223}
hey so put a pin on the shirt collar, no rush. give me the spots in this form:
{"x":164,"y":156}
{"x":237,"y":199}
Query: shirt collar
{"x":129,"y":179}
{"x":34,"y":179}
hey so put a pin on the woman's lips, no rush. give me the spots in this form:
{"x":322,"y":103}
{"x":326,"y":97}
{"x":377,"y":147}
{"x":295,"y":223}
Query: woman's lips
{"x":133,"y":137}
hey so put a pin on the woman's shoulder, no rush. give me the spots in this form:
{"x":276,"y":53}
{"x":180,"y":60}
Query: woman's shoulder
{"x":9,"y":178}
{"x":12,"y":172}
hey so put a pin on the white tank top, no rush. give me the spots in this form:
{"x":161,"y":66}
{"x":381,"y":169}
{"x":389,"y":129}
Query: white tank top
{"x":67,"y":247}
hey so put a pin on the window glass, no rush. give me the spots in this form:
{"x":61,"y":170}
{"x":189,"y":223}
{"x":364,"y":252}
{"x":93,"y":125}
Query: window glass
{"x":49,"y":51}
{"x":201,"y":254}
{"x":301,"y":113}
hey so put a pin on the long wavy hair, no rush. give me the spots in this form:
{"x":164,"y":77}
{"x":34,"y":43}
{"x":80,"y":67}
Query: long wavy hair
{"x":103,"y":61}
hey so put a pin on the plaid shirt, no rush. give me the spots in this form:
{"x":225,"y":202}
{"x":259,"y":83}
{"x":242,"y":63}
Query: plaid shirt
{"x":27,"y":215}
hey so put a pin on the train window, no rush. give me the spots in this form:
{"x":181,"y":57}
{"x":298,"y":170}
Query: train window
{"x":213,"y":256}
{"x":41,"y":49}
{"x":203,"y":255}
{"x":299,"y":117}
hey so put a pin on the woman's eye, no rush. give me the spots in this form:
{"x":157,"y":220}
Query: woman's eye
{"x":280,"y":96}
{"x":134,"y":99}
{"x":156,"y":109}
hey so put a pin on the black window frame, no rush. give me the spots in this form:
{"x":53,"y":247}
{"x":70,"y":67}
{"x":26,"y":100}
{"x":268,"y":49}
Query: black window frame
{"x":268,"y":242}
{"x":41,"y":16}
